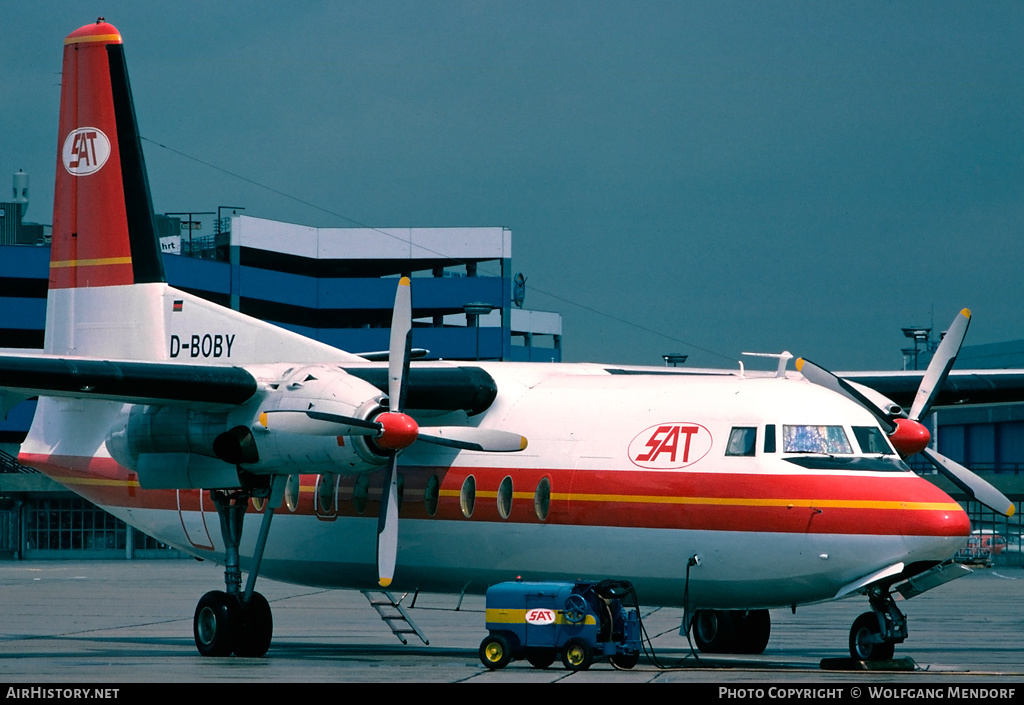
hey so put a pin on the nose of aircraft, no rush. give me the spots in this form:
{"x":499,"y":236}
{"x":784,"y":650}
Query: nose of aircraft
{"x":934,"y":524}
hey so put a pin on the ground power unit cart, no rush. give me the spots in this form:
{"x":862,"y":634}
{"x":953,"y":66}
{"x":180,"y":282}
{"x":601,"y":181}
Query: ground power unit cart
{"x":577,"y":622}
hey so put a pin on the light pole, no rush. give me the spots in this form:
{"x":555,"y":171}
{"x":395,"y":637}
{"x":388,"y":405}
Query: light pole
{"x":918,"y":335}
{"x":477,"y":309}
{"x":220,"y":209}
{"x":192,"y":224}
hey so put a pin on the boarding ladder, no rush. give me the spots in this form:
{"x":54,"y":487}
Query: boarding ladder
{"x":393,"y":614}
{"x":10,"y":464}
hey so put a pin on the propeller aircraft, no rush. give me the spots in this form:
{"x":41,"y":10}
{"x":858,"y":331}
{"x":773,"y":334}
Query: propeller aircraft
{"x":724,"y":492}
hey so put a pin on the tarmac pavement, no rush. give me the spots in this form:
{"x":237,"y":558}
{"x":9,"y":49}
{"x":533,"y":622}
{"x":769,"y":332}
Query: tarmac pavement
{"x":124,"y":622}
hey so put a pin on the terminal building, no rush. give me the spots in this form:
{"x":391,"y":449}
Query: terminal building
{"x":337,"y":285}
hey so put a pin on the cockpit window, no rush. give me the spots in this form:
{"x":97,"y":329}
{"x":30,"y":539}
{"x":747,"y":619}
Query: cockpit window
{"x":742,"y":441}
{"x":872,"y":440}
{"x":815,"y":439}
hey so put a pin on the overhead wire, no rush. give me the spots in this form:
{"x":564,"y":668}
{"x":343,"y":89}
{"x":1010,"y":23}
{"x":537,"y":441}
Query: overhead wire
{"x":442,"y":255}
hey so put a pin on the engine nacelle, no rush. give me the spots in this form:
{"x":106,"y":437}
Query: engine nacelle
{"x":178,"y":448}
{"x":311,"y":388}
{"x":172,"y":448}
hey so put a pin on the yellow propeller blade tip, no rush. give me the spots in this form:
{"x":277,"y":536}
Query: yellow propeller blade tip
{"x":522,"y":443}
{"x":799,"y":364}
{"x":404,"y":281}
{"x":384,"y":582}
{"x":263,"y":419}
{"x":966,"y":312}
{"x":1011,"y":511}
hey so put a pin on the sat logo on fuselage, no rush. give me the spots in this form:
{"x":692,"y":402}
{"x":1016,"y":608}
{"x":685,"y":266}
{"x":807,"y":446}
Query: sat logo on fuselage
{"x":85,"y":151}
{"x":670,"y":445}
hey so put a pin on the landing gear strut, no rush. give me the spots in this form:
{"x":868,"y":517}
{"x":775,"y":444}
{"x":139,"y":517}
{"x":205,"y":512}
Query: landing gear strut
{"x":874,"y":634}
{"x":233,"y":621}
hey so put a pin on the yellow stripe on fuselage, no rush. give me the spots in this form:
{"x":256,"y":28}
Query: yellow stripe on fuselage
{"x":741,"y":501}
{"x":96,"y":481}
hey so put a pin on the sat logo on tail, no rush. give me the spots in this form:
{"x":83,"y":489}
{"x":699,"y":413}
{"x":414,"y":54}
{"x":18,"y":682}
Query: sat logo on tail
{"x":85,"y":151}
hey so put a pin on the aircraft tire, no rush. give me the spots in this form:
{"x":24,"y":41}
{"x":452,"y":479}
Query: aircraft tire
{"x":216,"y":622}
{"x":714,"y":631}
{"x":753,"y":630}
{"x":577,"y":654}
{"x":495,"y":652}
{"x":861,"y":648}
{"x":257,"y":628}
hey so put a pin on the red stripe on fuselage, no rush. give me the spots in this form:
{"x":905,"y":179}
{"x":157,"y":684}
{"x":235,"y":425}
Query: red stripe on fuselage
{"x":870,"y":504}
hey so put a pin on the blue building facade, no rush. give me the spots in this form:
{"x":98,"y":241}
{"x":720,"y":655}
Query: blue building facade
{"x":336,"y":285}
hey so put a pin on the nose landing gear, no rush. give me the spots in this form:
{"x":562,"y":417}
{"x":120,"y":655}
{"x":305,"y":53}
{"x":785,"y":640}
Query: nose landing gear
{"x":874,"y":634}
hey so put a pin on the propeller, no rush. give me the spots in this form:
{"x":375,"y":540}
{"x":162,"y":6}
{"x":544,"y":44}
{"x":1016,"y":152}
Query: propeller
{"x":399,"y":430}
{"x":392,"y":430}
{"x":906,"y":432}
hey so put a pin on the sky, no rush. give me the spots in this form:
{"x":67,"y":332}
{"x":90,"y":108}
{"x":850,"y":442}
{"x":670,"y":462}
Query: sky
{"x":702,"y":177}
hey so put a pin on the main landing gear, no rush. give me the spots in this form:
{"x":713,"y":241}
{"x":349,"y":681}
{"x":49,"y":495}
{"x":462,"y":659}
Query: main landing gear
{"x":731,"y":631}
{"x":236,"y":621}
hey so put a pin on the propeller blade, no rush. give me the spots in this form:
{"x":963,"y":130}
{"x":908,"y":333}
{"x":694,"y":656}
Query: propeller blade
{"x":387,"y":525}
{"x":368,"y":427}
{"x":939,"y":367}
{"x":400,"y":348}
{"x":399,"y":353}
{"x":823,"y":378}
{"x":317,"y":423}
{"x":470,"y":438}
{"x":970,"y":483}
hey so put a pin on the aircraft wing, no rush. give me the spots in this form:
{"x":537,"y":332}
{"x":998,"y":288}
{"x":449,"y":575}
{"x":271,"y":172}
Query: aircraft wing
{"x":441,"y":388}
{"x":24,"y":376}
{"x":961,"y":386}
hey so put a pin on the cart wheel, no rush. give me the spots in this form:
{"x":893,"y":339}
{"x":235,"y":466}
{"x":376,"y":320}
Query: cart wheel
{"x":542,"y":658}
{"x":495,"y":652}
{"x":625,"y":661}
{"x":577,"y":654}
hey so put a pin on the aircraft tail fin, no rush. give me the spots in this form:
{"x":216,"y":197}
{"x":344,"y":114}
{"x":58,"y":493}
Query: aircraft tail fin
{"x":103,"y":226}
{"x":108,"y":295}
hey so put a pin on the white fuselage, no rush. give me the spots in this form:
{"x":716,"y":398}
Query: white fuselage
{"x":626,"y":476}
